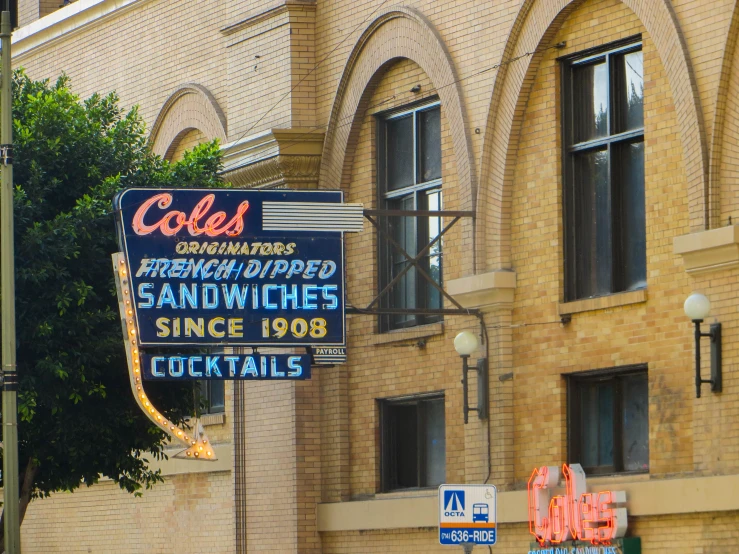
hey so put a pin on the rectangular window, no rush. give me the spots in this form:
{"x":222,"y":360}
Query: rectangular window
{"x":608,"y":420}
{"x":409,"y":169}
{"x":603,"y":128}
{"x":413,"y":442}
{"x":212,"y":396}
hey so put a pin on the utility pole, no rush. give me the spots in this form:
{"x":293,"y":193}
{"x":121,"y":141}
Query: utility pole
{"x":11,"y":499}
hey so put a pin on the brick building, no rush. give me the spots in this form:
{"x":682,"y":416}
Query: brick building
{"x":595,"y":142}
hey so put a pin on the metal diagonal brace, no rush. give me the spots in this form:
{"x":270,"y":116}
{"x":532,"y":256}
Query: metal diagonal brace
{"x":414,"y":261}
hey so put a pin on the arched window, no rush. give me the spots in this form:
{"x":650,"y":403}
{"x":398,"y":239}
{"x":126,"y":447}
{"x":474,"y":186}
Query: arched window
{"x":409,"y":171}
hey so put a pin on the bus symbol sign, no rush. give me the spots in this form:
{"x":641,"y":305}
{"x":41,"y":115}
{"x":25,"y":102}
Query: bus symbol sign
{"x":467,"y":514}
{"x":480,"y":512}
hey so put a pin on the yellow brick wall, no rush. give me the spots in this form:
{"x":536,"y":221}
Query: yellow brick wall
{"x":187,"y":513}
{"x":654,"y":332}
{"x":395,"y":368}
{"x":187,"y":142}
{"x":319,"y":441}
{"x":27,"y":11}
{"x":143,"y":54}
{"x":259,"y":76}
{"x":48,"y":6}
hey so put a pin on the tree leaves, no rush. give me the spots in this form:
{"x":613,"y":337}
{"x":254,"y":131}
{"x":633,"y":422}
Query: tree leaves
{"x":71,"y":158}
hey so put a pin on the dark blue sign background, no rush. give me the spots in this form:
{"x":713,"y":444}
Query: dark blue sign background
{"x":238,"y":287}
{"x":240,"y":367}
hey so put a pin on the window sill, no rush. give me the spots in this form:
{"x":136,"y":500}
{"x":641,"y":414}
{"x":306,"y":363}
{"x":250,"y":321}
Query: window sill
{"x":398,"y":335}
{"x":603,"y":302}
{"x":212,"y":419}
{"x":419,"y":492}
{"x":618,"y":478}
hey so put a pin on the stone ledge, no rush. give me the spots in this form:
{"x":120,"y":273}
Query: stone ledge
{"x":712,"y":250}
{"x":649,"y":497}
{"x":412,"y":333}
{"x":212,"y":419}
{"x":485,"y":290}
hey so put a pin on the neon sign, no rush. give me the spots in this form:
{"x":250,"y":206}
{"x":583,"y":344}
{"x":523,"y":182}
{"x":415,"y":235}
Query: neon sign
{"x":210,"y":267}
{"x":164,"y":200}
{"x":216,"y":268}
{"x":576,"y":515}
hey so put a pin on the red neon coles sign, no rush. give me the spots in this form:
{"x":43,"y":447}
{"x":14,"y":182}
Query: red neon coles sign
{"x":576,"y":515}
{"x":173,"y":221}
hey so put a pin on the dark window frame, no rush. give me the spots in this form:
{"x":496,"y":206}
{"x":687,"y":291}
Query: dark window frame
{"x":13,"y":14}
{"x":581,"y":281}
{"x":419,"y":192}
{"x":575,"y":423}
{"x":388,"y":442}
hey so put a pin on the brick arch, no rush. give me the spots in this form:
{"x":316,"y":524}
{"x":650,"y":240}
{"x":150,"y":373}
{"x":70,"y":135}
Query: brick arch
{"x":725,"y":118}
{"x":189,"y":107}
{"x":535,"y":24}
{"x":397,"y":33}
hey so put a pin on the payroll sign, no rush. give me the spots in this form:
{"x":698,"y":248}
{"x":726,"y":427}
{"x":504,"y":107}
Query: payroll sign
{"x":234,"y":267}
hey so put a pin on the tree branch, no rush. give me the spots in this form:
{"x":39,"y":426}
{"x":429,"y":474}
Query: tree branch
{"x":27,"y":487}
{"x":25,"y":498}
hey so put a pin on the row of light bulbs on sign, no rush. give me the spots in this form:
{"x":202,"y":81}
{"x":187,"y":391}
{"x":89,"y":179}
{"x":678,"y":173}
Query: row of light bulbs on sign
{"x":158,"y":418}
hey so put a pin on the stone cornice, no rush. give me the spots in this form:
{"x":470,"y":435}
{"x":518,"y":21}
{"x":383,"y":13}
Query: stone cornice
{"x":645,"y":497}
{"x":64,"y":21}
{"x":275,"y":158}
{"x":275,"y":11}
{"x":712,"y":250}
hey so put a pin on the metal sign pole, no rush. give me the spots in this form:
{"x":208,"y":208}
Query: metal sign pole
{"x":11,"y":506}
{"x":468,"y":546}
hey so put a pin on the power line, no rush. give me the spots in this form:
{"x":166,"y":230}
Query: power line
{"x":348,"y":120}
{"x":316,"y":66}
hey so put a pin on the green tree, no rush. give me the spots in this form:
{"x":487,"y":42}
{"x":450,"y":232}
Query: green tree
{"x":77,"y":417}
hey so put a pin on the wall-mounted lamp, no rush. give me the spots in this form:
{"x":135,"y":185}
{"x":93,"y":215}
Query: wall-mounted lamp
{"x":465,"y":343}
{"x":696,"y":308}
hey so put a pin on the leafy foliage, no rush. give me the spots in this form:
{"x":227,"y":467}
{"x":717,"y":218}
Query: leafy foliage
{"x":77,"y":416}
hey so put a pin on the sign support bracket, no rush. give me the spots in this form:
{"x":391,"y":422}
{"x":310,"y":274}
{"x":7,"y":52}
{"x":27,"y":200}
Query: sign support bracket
{"x":373,"y":308}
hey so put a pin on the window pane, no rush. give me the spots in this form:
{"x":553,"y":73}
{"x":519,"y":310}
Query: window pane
{"x":433,"y":260}
{"x":635,"y":423}
{"x":631,"y":231}
{"x":590,"y":102}
{"x":217,"y":396}
{"x":605,"y":424}
{"x":592,"y":221}
{"x":399,"y":152}
{"x":211,"y":396}
{"x":589,"y":425}
{"x":435,"y":443}
{"x":597,"y":424}
{"x":430,"y":144}
{"x":632,"y":94}
{"x":406,"y":445}
{"x":403,"y":231}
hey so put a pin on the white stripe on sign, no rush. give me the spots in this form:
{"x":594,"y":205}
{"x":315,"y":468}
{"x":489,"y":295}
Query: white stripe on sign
{"x":312,"y":216}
